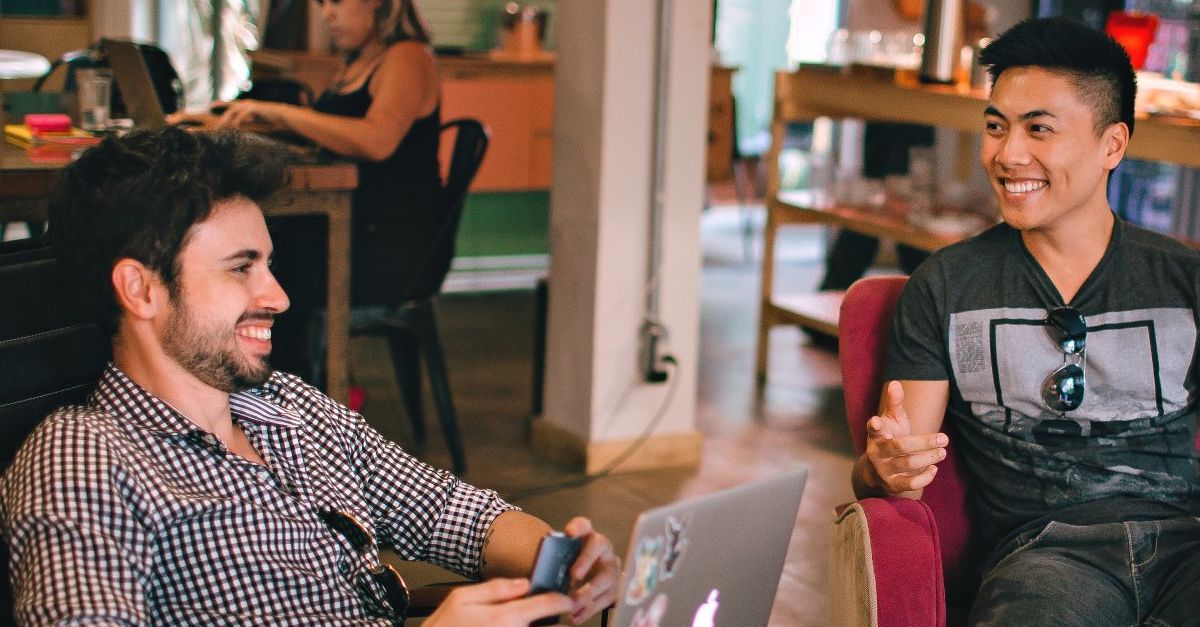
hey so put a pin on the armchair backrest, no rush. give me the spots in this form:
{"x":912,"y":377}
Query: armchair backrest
{"x":49,"y":355}
{"x":470,"y":145}
{"x":864,"y":326}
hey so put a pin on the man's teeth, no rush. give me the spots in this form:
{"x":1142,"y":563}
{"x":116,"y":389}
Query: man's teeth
{"x":258,"y":333}
{"x":1020,"y":187}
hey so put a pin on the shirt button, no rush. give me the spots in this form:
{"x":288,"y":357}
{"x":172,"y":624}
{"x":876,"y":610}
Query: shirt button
{"x":210,"y":440}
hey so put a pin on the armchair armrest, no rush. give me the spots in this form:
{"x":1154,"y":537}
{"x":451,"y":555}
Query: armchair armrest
{"x":886,"y":554}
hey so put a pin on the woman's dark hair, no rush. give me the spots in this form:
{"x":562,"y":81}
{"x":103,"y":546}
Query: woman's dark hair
{"x":138,"y":196}
{"x":398,"y":20}
{"x":1097,"y":65}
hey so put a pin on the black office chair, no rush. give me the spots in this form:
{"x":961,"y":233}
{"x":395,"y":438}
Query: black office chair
{"x":411,"y":327}
{"x":49,"y":355}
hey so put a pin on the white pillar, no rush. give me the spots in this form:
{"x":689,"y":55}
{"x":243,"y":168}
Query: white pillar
{"x":596,"y":402}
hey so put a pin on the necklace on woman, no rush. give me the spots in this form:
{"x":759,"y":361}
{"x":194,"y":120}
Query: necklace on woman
{"x":347,"y":78}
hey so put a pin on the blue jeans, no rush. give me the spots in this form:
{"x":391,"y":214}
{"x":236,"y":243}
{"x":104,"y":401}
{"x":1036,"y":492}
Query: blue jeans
{"x":1113,"y":574}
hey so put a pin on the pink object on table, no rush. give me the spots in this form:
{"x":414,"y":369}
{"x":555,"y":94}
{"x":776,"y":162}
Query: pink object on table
{"x":39,"y":123}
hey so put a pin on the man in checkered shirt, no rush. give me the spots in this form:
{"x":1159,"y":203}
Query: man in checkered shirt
{"x":197,"y":486}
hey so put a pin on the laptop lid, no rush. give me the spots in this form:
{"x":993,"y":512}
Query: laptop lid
{"x":712,"y":560}
{"x":133,"y":79}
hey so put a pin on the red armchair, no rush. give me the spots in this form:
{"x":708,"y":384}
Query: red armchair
{"x":894,"y":559}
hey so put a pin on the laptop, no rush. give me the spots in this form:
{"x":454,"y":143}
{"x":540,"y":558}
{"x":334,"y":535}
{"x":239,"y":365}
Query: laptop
{"x":712,"y":560}
{"x":133,"y":79}
{"x":141,"y":102}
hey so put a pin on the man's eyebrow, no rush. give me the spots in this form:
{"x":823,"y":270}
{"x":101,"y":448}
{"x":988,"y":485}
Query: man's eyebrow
{"x":248,"y":254}
{"x":1028,"y":115}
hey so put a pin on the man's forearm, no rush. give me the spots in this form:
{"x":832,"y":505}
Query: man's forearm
{"x":511,"y":544}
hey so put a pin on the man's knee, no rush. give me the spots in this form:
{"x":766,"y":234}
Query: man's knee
{"x":1044,"y":586}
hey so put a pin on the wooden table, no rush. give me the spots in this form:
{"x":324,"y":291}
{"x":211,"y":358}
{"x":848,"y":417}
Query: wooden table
{"x":316,"y":189}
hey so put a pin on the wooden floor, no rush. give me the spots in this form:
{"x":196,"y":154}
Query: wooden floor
{"x":796,"y":418}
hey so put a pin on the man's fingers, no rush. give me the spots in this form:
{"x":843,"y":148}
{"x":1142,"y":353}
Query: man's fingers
{"x":908,"y":481}
{"x":539,"y":606}
{"x":894,"y":406}
{"x":491,"y":591}
{"x":915,"y":444}
{"x":879,"y":427}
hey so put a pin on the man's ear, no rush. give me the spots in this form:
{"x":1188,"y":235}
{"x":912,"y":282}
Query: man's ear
{"x":138,"y":289}
{"x":1116,"y":142}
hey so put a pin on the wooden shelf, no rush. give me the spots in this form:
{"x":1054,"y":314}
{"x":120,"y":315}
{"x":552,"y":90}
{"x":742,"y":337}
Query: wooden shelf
{"x":809,"y":93}
{"x":788,"y":209}
{"x":817,"y":311}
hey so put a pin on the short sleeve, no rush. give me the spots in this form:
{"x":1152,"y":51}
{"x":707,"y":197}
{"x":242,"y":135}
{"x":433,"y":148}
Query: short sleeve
{"x":917,"y":346}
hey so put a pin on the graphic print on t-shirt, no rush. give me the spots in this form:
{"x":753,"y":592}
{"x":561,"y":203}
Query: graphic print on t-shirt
{"x":1135,"y":365}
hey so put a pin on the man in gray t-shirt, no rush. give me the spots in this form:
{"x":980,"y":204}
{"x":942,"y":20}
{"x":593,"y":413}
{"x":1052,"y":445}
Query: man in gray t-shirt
{"x":1060,"y":349}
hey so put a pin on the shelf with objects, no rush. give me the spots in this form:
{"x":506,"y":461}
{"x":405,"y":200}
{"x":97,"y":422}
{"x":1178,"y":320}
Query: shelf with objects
{"x":809,"y":93}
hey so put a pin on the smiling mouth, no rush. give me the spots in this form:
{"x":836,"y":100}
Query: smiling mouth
{"x":255,"y":333}
{"x":1022,"y":187}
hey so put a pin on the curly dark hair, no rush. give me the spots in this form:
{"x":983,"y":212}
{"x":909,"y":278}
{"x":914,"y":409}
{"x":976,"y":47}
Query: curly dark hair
{"x":1097,"y":65}
{"x":138,"y":196}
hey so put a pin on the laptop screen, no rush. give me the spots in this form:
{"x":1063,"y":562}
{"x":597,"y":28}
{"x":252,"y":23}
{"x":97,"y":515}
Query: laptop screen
{"x":712,"y":560}
{"x":133,"y":79}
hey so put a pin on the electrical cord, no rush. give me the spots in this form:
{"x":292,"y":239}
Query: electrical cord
{"x":672,"y":383}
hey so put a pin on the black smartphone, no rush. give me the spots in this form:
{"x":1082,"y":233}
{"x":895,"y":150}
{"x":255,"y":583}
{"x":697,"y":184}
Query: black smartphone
{"x":556,"y":552}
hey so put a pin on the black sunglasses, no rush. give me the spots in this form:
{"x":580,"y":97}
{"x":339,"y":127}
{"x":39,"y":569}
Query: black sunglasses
{"x":1062,"y":391}
{"x":385,"y":575}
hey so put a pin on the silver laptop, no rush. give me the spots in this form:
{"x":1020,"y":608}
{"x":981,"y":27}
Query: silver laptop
{"x":133,"y":79}
{"x":712,"y":560}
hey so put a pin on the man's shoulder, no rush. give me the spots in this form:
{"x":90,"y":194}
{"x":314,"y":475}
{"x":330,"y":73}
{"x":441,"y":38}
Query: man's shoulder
{"x":70,"y":439}
{"x":1145,"y":241}
{"x":959,"y":262}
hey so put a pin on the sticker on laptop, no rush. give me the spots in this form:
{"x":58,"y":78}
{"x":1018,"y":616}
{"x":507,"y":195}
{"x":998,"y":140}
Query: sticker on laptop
{"x":651,"y":615}
{"x":706,"y":614}
{"x":675,"y":546}
{"x":646,"y":564}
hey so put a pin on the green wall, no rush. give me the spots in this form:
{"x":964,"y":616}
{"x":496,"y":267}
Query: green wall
{"x":510,"y":223}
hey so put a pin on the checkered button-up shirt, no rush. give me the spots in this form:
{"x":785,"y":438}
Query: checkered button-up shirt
{"x":125,"y":512}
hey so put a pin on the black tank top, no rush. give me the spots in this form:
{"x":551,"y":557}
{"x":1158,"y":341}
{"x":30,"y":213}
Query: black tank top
{"x":395,"y":206}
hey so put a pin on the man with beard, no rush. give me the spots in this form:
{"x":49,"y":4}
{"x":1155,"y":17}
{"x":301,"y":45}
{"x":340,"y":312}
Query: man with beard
{"x":197,"y":486}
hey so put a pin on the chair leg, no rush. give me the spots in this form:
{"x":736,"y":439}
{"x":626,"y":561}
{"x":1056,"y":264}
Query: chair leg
{"x":406,"y":362}
{"x":421,"y":315}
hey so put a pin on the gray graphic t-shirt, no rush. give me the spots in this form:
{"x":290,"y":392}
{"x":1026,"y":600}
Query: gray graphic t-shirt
{"x":973,"y":314}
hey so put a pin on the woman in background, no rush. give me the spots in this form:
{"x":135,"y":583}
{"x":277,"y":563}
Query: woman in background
{"x":383,"y":110}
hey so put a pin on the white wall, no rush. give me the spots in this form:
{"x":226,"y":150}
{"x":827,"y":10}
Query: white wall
{"x":124,"y":19}
{"x":600,"y":214}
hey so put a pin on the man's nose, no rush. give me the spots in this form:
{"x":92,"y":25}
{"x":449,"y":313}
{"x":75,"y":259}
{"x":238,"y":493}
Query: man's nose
{"x":1013,"y":150}
{"x":272,"y":295}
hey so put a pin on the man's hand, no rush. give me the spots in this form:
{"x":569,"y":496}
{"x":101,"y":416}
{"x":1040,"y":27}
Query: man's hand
{"x":899,"y":461}
{"x":595,"y":573}
{"x":497,"y":603}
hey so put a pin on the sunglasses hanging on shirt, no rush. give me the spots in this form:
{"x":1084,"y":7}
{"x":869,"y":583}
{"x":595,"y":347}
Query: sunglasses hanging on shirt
{"x":1063,"y":389}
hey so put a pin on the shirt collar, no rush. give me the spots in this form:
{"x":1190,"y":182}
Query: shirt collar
{"x":120,"y":395}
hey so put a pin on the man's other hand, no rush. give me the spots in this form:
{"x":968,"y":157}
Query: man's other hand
{"x":595,"y":573}
{"x":497,"y":603}
{"x":900,"y":461}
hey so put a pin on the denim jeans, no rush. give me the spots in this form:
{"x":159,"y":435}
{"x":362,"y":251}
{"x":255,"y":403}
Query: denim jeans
{"x":1114,"y":574}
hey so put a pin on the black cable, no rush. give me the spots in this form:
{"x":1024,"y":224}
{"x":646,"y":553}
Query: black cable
{"x":672,"y":383}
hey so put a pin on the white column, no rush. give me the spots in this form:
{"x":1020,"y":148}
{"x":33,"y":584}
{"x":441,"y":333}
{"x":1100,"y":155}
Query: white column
{"x":596,"y":402}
